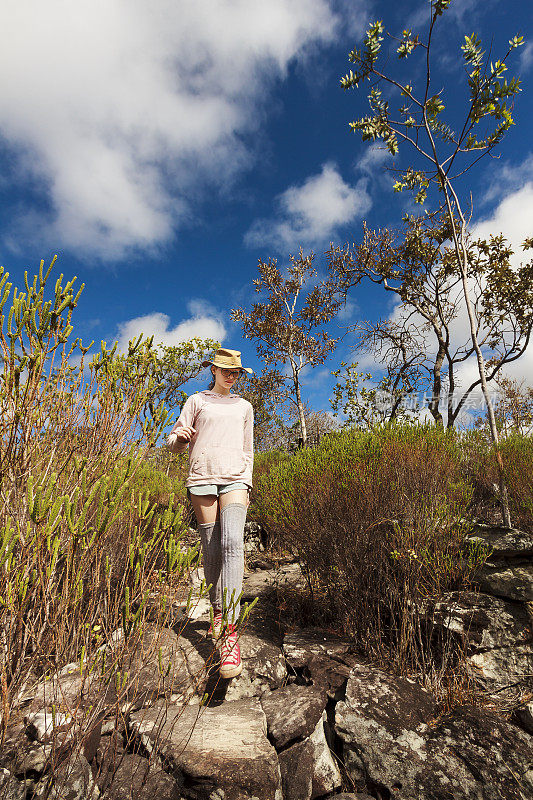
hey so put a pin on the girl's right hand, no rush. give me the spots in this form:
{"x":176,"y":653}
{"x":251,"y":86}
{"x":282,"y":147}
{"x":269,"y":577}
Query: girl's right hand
{"x":185,"y":433}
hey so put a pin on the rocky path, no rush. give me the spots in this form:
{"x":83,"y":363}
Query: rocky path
{"x":308,"y":718}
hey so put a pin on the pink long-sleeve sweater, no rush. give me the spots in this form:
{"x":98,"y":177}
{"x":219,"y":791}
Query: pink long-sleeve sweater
{"x":221,"y":449}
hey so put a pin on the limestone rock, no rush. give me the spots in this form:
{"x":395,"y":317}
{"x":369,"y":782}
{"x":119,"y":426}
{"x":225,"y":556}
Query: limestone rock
{"x":391,"y":739}
{"x":10,"y":787}
{"x":307,"y":767}
{"x":132,"y":776}
{"x":264,"y":581}
{"x":300,"y":646}
{"x":504,"y":666}
{"x":21,"y":756}
{"x":319,"y":657}
{"x":71,"y":780}
{"x":158,"y":666}
{"x":352,"y":796}
{"x":504,"y":542}
{"x":296,"y":765}
{"x":110,"y":750}
{"x":326,"y":775}
{"x":510,"y":581}
{"x":42,"y":726}
{"x":253,"y":537}
{"x":498,"y":754}
{"x":72,"y":690}
{"x":223,"y":748}
{"x":383,"y":725}
{"x":485,"y":622}
{"x":263,"y":669}
{"x":524,"y":716}
{"x":293,"y":712}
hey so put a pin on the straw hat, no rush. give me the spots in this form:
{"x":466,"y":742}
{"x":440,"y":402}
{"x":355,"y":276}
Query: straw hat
{"x":227,"y":359}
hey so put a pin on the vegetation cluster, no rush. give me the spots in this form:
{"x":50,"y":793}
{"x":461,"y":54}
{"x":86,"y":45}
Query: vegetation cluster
{"x":91,"y":531}
{"x":378,"y":521}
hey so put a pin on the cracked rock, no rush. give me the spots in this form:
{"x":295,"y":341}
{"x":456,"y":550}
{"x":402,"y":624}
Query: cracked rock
{"x":222,"y":749}
{"x":484,"y":621}
{"x":514,"y":582}
{"x":391,"y":740}
{"x":504,"y":542}
{"x":293,"y":712}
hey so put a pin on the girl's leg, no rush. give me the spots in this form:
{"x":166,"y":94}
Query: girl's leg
{"x":206,"y":509}
{"x":233,"y":507}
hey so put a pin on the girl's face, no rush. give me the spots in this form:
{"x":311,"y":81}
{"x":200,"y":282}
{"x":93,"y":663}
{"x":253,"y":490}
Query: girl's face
{"x":225,"y":378}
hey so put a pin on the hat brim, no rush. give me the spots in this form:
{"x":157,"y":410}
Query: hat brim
{"x":244,"y":369}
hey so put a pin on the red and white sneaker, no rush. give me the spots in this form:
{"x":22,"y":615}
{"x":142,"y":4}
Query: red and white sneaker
{"x":216,"y":629}
{"x":230,"y":654}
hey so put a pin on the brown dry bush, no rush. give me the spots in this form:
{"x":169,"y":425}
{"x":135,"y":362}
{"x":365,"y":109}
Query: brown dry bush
{"x":86,"y":558}
{"x":377,"y":520}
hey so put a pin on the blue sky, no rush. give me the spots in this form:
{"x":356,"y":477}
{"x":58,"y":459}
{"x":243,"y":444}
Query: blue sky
{"x":161,"y":148}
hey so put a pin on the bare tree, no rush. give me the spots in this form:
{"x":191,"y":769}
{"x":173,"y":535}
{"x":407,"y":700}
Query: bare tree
{"x":421,"y":347}
{"x":287,"y":325}
{"x":442,"y":155}
{"x":514,"y":407}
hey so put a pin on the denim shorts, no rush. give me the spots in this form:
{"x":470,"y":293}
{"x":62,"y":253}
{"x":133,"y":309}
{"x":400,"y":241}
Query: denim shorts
{"x":217,"y":489}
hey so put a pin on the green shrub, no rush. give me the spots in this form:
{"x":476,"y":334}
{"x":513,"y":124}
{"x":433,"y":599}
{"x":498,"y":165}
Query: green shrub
{"x":158,"y":484}
{"x":264,"y":464}
{"x":84,"y":545}
{"x":378,"y":521}
{"x":517,"y":455}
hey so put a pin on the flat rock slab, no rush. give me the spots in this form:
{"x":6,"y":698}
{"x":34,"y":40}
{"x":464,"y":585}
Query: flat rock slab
{"x":135,"y":777}
{"x":300,"y":646}
{"x":497,"y":754}
{"x":510,"y":581}
{"x":504,"y":667}
{"x":504,"y":542}
{"x":293,"y":712}
{"x":205,"y":749}
{"x":321,"y":658}
{"x":484,"y":621}
{"x":392,"y":739}
{"x":263,"y":582}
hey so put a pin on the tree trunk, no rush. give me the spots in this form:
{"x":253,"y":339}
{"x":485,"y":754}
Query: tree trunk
{"x":299,"y":404}
{"x":437,"y":386}
{"x":462,"y":259}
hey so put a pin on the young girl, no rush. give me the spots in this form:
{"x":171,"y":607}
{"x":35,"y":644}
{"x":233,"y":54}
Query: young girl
{"x":218,"y":427}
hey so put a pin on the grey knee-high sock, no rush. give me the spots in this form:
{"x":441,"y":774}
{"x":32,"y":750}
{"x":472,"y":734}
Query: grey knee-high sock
{"x":212,"y":553}
{"x":232,"y":519}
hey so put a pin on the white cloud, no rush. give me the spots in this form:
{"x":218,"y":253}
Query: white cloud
{"x":311,"y":213}
{"x":122,"y":112}
{"x":348,"y":311}
{"x":506,"y":178}
{"x":526,"y":57}
{"x":204,"y":323}
{"x":457,"y":11}
{"x":513,"y":217}
{"x":373,"y":160}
